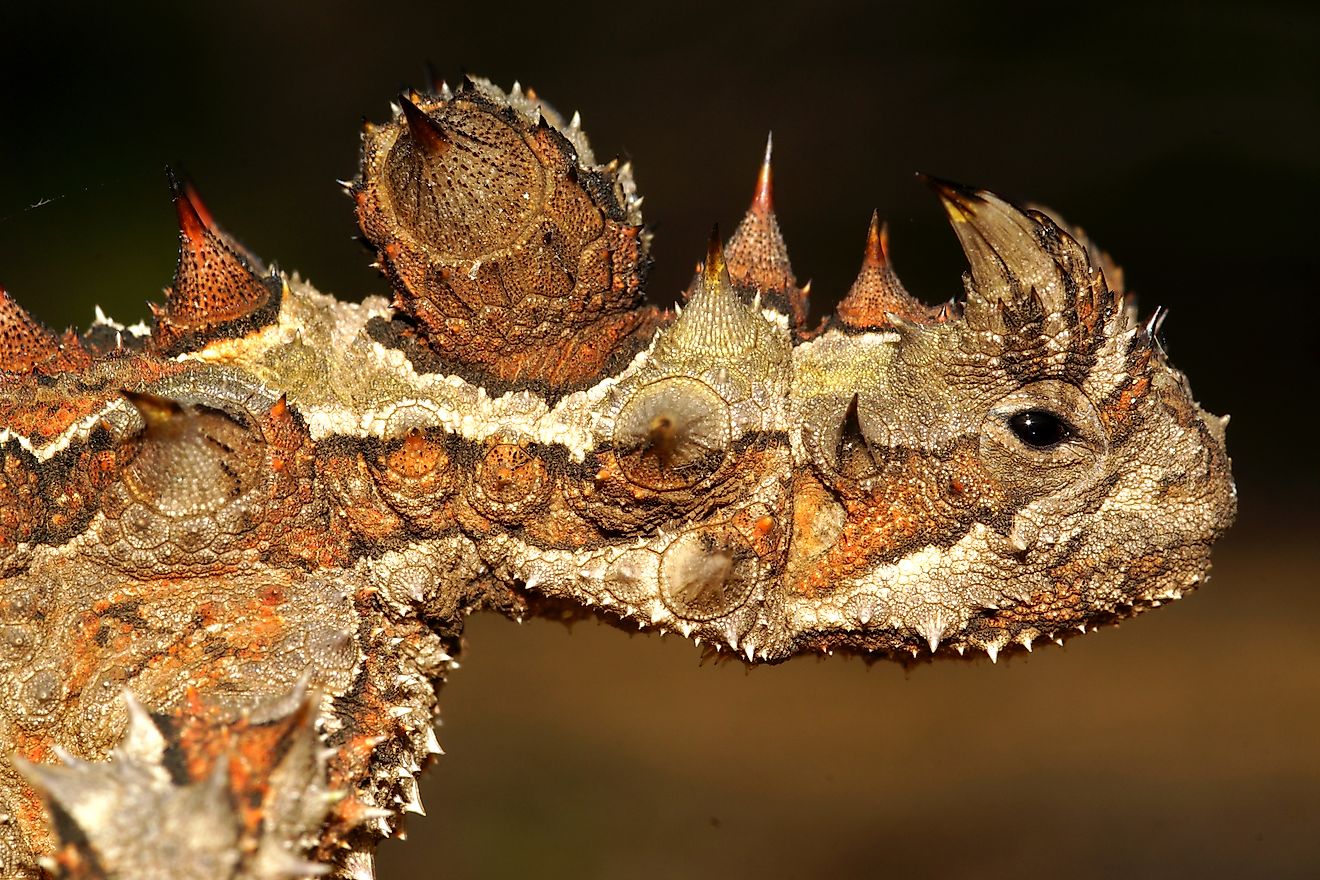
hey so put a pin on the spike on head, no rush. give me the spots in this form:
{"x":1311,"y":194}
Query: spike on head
{"x":757,"y":256}
{"x":877,"y":298}
{"x":714,"y":266}
{"x":877,"y":243}
{"x":193,"y":226}
{"x":763,"y":198}
{"x":198,"y":206}
{"x":187,"y":200}
{"x":717,"y":321}
{"x":215,"y":291}
{"x":1018,"y":259}
{"x":425,"y":131}
{"x":958,"y":200}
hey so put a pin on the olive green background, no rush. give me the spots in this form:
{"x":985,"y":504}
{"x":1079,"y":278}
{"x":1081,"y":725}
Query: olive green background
{"x":1184,"y":137}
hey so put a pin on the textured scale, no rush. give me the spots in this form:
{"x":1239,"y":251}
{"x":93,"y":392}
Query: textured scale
{"x":237,"y":547}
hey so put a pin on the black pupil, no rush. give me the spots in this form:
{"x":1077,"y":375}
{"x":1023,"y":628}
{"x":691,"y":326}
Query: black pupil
{"x":1039,"y":429}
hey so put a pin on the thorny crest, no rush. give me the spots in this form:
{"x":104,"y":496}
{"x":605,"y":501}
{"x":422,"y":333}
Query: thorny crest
{"x":237,"y":547}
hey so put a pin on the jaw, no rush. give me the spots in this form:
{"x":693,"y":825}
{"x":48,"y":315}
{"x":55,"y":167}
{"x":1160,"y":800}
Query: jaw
{"x":930,"y":599}
{"x":977,"y":595}
{"x":1057,"y":568}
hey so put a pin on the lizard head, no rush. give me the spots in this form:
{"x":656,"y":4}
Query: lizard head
{"x":1024,"y":466}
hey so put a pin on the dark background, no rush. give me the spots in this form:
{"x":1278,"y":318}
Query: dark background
{"x":1183,"y":137}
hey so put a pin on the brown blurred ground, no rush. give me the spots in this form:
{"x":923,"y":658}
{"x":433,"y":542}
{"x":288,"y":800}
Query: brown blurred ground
{"x":1182,"y":744}
{"x":1183,"y":137}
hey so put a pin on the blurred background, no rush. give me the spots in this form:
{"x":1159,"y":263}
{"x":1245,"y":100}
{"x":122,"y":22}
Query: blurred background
{"x":1185,"y":138}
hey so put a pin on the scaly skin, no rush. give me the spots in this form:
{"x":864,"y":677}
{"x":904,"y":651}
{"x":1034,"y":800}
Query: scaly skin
{"x":238,"y":547}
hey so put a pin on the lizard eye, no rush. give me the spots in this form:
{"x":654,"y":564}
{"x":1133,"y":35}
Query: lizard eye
{"x":1040,"y":429}
{"x":1045,"y":425}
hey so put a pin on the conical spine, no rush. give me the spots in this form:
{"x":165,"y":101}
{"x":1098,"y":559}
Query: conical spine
{"x":215,"y":292}
{"x":877,"y":296}
{"x":24,"y":343}
{"x":756,"y":254}
{"x":425,"y":131}
{"x":716,"y":322}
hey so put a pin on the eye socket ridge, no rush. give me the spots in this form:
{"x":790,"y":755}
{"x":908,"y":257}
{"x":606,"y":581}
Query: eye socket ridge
{"x":1041,"y":429}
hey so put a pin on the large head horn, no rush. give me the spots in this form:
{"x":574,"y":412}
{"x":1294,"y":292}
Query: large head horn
{"x":1017,"y":257}
{"x":1032,"y":287}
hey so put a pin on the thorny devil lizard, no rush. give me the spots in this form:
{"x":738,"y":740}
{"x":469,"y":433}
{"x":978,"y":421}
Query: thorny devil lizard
{"x":237,"y":547}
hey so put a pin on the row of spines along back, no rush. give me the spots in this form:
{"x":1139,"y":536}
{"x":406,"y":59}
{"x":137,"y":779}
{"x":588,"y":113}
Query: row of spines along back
{"x":222,"y":290}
